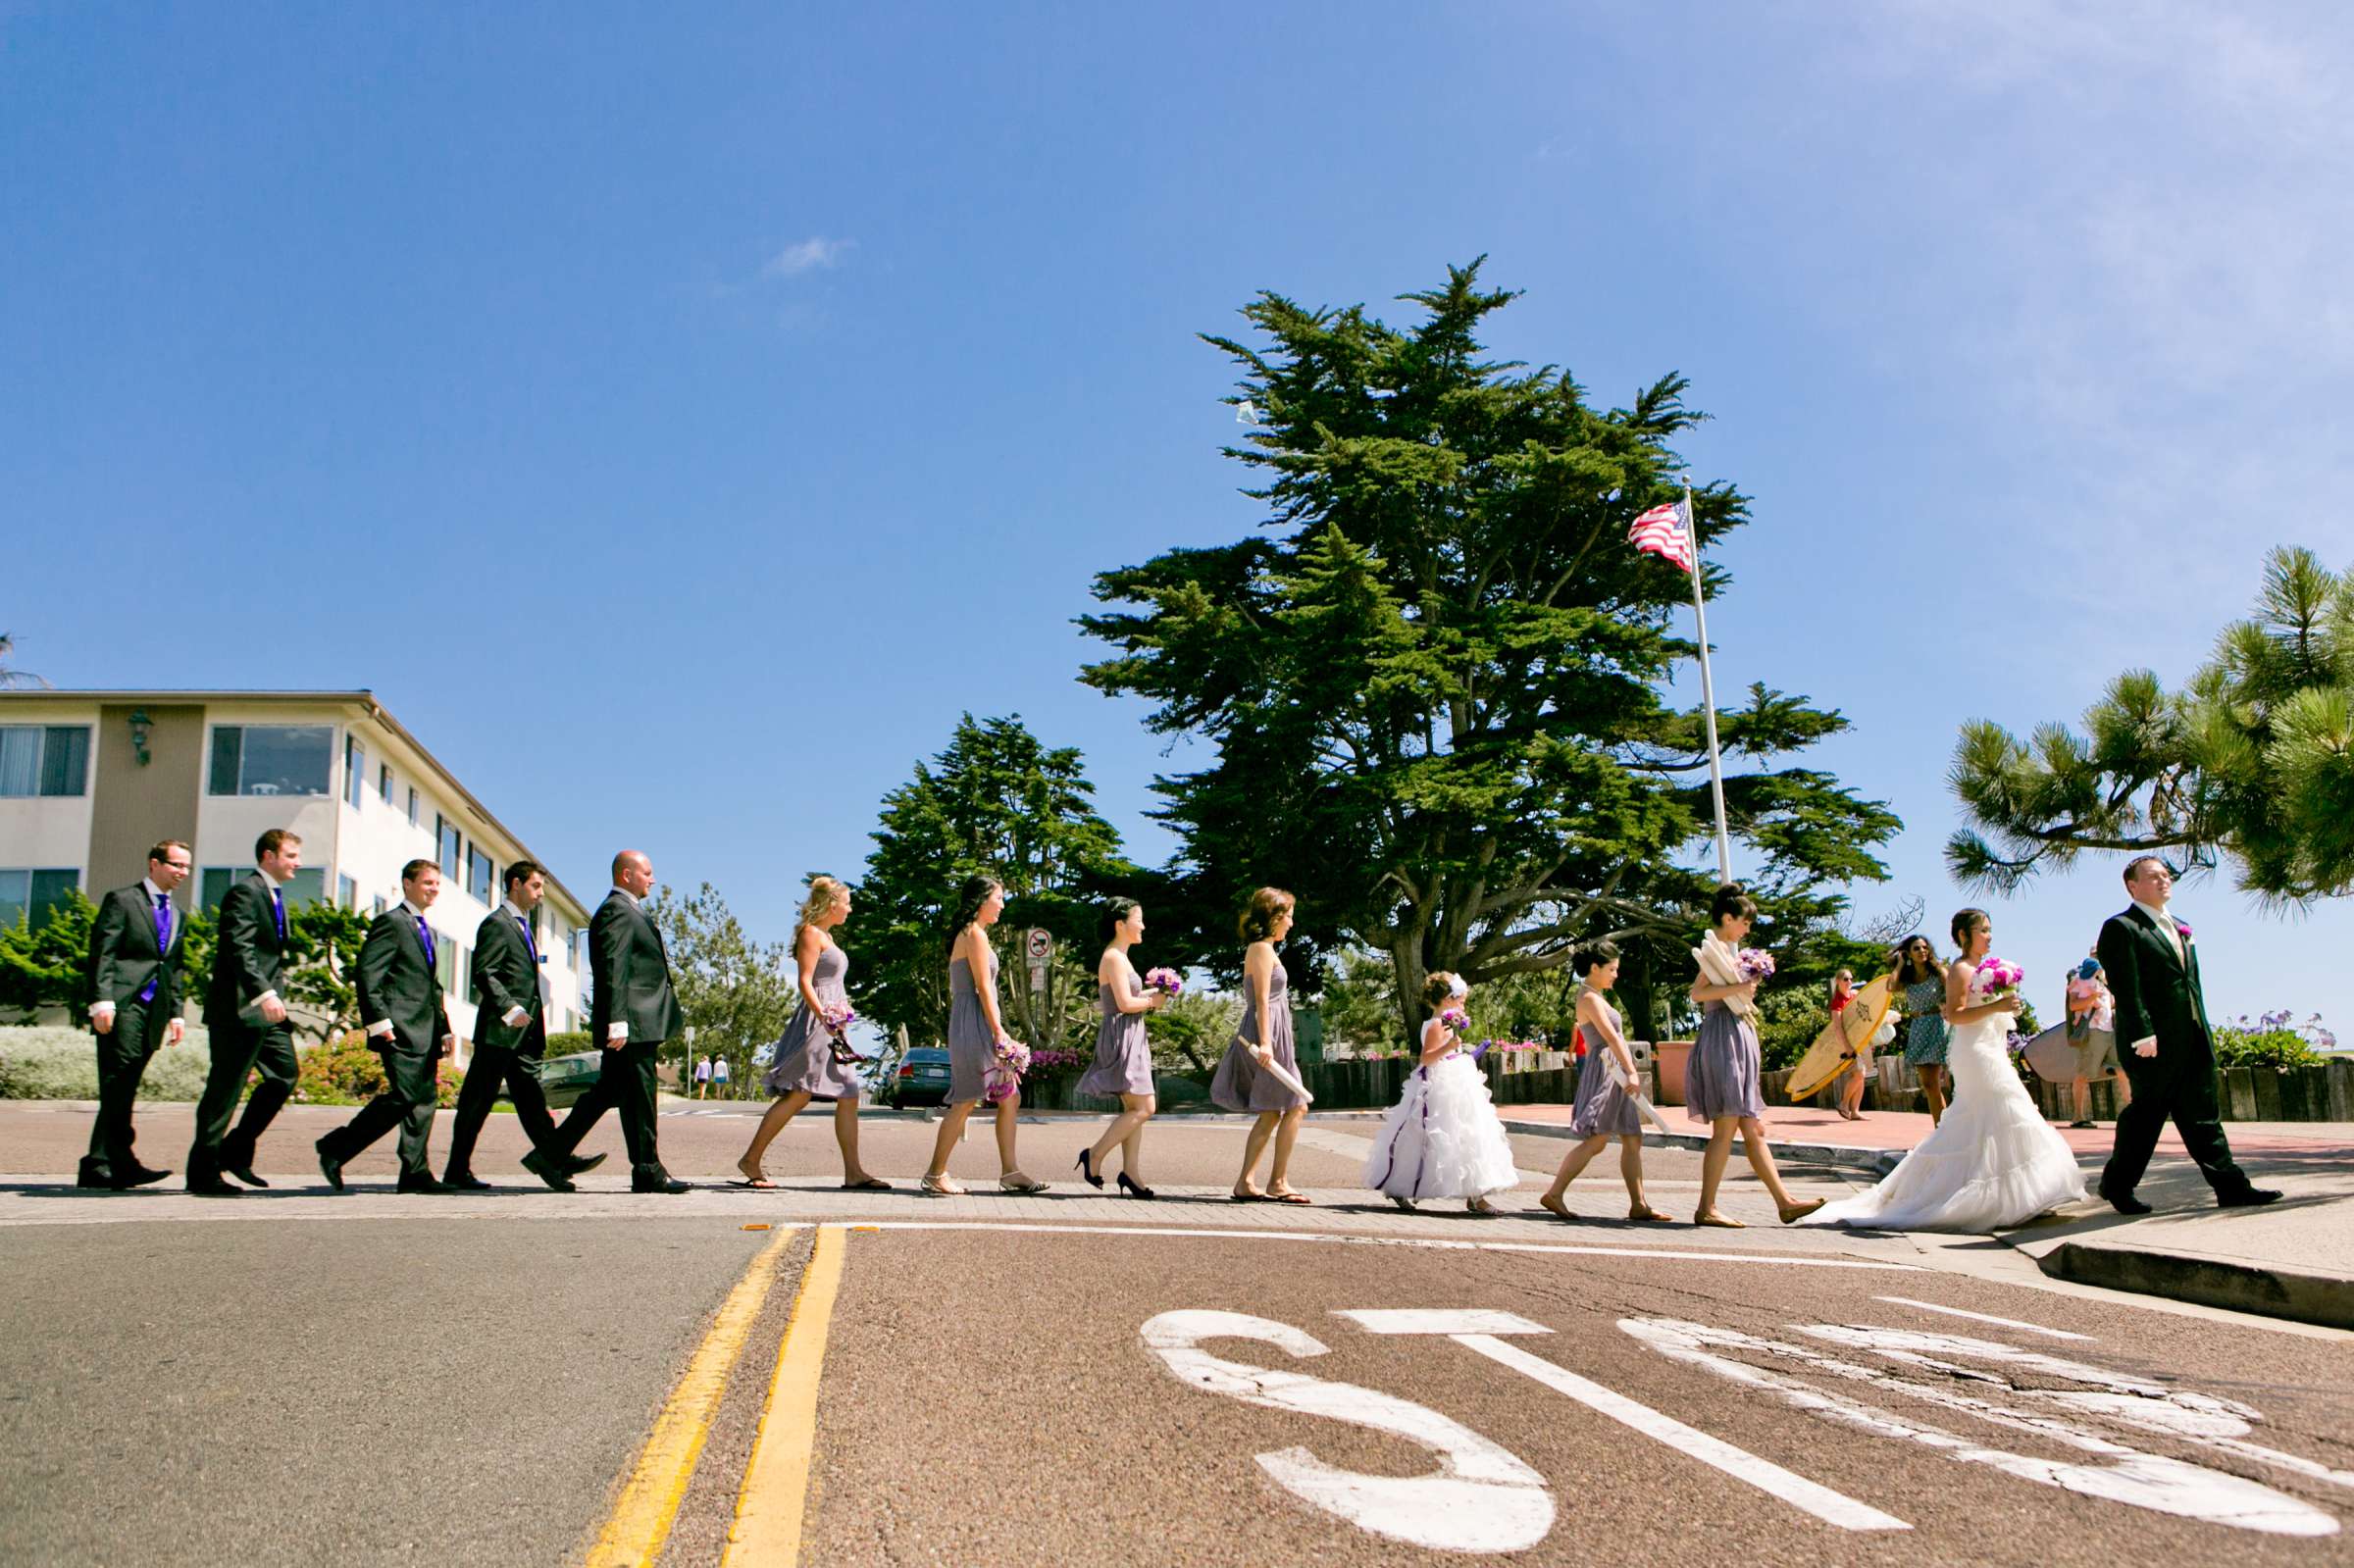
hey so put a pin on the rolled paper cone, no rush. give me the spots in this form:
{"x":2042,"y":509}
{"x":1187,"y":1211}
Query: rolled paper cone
{"x":1274,"y":1070}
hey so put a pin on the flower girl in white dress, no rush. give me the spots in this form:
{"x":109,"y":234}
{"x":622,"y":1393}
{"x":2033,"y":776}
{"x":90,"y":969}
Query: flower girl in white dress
{"x":1443,"y":1139}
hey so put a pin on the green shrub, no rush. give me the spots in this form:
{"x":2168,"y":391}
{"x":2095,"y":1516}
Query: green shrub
{"x":58,"y":1063}
{"x":570,"y":1042}
{"x":1788,"y":1020}
{"x":2276,"y":1048}
{"x":346,"y":1071}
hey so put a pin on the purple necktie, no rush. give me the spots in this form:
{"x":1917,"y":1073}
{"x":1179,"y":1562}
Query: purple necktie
{"x":529,"y":945}
{"x":162,"y":939}
{"x":278,"y":912}
{"x":425,"y":934}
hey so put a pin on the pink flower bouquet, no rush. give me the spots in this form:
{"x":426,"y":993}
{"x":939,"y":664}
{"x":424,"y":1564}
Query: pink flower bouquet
{"x":1755,"y":963}
{"x":1994,"y":977}
{"x":1167,"y":981}
{"x":1004,"y":1078}
{"x":838,"y":1022}
{"x":1455,"y":1017}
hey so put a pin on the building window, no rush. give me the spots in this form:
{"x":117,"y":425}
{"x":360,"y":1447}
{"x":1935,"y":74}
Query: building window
{"x":477,"y":873}
{"x":383,"y":783}
{"x":355,"y":770}
{"x":31,"y":895}
{"x":446,"y":834}
{"x":381,"y":906}
{"x":308,"y":886}
{"x":412,"y":808}
{"x":347,"y":893}
{"x":44,"y":759}
{"x":273,"y":759}
{"x":445,"y":961}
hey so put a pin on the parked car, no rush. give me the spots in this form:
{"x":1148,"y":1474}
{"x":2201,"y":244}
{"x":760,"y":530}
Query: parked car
{"x":922,"y":1078}
{"x":565,"y":1079}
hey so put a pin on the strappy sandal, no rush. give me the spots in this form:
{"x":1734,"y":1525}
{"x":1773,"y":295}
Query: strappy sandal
{"x":756,"y":1183}
{"x":1016,"y":1182}
{"x":939,"y":1187}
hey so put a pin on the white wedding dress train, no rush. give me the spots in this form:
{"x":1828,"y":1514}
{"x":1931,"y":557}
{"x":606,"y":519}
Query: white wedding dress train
{"x":1992,"y":1163}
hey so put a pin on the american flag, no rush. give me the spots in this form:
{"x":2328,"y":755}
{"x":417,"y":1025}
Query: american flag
{"x":1665,"y":532}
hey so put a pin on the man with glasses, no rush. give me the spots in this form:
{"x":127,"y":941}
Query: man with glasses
{"x":136,"y":947}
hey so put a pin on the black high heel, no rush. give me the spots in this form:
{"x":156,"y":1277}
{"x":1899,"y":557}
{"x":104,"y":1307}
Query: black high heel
{"x":1134,"y":1187}
{"x":1088,"y":1170}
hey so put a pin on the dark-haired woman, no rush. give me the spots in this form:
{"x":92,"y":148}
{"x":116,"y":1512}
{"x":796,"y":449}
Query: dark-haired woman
{"x":1920,"y":993}
{"x":1123,"y":1064}
{"x":1245,"y":1079}
{"x":1723,"y":1075}
{"x":976,"y":1032}
{"x":1605,"y":1107}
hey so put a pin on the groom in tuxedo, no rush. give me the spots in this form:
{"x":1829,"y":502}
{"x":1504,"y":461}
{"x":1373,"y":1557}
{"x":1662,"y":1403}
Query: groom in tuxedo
{"x":632,"y":1012}
{"x":2153,"y":970}
{"x":247,"y":1019}
{"x":134,"y":983}
{"x":408,"y":1026}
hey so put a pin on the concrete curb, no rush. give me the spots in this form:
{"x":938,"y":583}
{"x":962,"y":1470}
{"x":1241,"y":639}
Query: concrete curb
{"x":2272,"y":1293}
{"x":1840,"y":1157}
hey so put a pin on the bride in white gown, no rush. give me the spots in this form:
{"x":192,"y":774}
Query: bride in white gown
{"x":1992,"y":1162}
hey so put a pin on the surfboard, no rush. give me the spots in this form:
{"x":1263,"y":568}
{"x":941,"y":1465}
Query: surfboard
{"x":1846,"y":1030}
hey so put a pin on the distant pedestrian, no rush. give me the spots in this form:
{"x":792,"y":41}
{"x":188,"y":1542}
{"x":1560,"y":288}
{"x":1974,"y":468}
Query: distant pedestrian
{"x":702,"y":1076}
{"x":718,"y":1078}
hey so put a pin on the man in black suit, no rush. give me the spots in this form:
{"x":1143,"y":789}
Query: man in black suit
{"x":510,"y":1036}
{"x":2168,"y":1057}
{"x":247,"y":1019}
{"x":408,"y":1026}
{"x":632,"y":1012}
{"x":134,"y":1007}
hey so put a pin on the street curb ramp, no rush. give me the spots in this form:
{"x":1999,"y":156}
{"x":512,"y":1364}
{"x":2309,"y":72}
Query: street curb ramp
{"x":2206,"y":1281}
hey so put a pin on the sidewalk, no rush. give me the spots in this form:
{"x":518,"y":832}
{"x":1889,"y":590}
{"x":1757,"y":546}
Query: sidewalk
{"x":2294,"y":1259}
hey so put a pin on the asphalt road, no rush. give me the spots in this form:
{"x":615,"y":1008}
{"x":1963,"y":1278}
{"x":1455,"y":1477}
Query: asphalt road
{"x":303,"y":1377}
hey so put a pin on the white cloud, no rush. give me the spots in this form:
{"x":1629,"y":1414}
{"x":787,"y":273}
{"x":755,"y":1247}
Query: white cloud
{"x":814,"y":253}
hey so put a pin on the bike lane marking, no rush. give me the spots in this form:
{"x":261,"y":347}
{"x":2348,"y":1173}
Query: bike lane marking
{"x":1984,"y":1317}
{"x":774,"y":1497}
{"x":649,"y":1500}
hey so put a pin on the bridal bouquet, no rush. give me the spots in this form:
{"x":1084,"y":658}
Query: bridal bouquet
{"x":1455,"y":1017}
{"x":1755,"y":963}
{"x":1167,"y":981}
{"x":1004,"y":1078}
{"x":1994,"y":977}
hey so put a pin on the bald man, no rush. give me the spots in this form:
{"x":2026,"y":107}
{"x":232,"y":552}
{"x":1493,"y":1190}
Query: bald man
{"x":632,"y":1012}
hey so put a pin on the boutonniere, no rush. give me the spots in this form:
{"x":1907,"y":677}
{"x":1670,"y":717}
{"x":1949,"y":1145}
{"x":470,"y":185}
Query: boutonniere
{"x":2184,"y":927}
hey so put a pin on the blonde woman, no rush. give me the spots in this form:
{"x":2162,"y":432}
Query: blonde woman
{"x":1247,"y":1078}
{"x":813,"y":1057}
{"x":976,"y":1032}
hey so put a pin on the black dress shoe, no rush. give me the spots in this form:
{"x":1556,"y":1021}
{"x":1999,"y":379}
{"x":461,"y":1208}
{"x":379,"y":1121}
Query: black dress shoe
{"x":661,"y":1183}
{"x":95,"y":1178}
{"x":421,"y":1182}
{"x":330,"y":1165}
{"x":210,"y":1187}
{"x":2126,"y":1203}
{"x":244,"y":1173}
{"x":465,"y":1181}
{"x":2255,"y":1198}
{"x":546,"y":1168}
{"x":141,"y":1175}
{"x":581,"y":1164}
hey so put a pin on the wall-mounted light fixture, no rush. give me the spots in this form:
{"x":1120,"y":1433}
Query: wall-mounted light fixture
{"x":139,"y":723}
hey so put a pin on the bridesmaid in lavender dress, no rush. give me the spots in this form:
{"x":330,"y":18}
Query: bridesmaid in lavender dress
{"x":1123,"y":1064}
{"x":975,"y":1031}
{"x":1265,"y":1038}
{"x":1603,"y":1109}
{"x":813,"y":1061}
{"x":1722,"y":1076}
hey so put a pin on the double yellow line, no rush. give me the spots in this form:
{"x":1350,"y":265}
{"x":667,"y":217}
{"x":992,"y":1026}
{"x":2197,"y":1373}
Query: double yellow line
{"x":770,"y":1502}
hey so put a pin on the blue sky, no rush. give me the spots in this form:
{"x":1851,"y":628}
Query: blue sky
{"x":677,"y":416}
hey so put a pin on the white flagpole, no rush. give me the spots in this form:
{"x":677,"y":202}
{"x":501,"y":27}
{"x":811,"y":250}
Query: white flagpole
{"x":1707,"y":691}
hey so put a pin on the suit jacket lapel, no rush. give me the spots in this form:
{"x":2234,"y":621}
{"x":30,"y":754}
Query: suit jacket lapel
{"x":2180,"y":960}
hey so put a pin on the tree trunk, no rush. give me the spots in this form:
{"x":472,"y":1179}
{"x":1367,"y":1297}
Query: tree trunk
{"x":1635,"y":992}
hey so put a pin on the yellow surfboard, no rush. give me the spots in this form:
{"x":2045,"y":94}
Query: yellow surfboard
{"x":1848,"y":1030}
